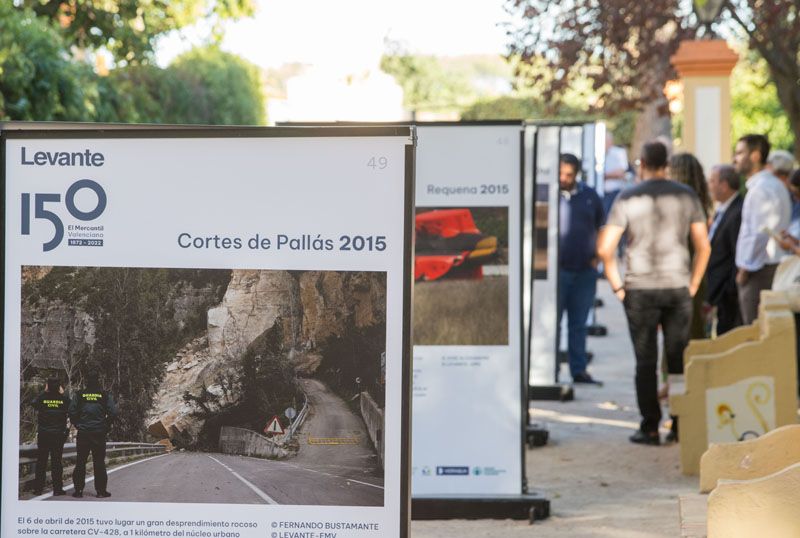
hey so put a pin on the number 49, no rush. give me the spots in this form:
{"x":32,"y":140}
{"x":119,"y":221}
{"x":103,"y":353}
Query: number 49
{"x":378,"y":163}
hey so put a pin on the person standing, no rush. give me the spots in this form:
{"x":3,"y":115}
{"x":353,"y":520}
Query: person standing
{"x":765,"y":213}
{"x":687,"y":170}
{"x":581,"y":216}
{"x":92,"y":411}
{"x":723,"y":184}
{"x":659,"y":216}
{"x":52,"y":406}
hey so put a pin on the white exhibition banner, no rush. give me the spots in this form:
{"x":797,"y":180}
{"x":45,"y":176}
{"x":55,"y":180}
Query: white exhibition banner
{"x":224,"y":314}
{"x":541,"y":236}
{"x":467,"y":399}
{"x":544,"y":306}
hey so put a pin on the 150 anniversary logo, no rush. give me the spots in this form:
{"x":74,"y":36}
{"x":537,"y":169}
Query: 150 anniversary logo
{"x":46,"y":206}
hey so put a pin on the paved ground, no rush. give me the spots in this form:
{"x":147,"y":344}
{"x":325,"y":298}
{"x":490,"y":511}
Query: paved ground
{"x":336,"y":465}
{"x":599,"y":484}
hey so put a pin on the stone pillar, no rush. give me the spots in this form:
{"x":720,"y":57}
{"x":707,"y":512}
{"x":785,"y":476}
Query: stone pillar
{"x":705,"y":68}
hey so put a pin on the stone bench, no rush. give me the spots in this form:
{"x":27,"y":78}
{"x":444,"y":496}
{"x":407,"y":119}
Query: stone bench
{"x":750,"y":459}
{"x":768,"y":506}
{"x":770,"y":300}
{"x":743,"y":461}
{"x":740,"y":392}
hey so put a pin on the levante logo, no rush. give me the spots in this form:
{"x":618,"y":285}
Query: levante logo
{"x":79,"y":235}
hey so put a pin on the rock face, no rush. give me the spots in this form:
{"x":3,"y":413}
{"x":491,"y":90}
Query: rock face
{"x":252,"y":303}
{"x":312,"y":306}
{"x":55,"y":336}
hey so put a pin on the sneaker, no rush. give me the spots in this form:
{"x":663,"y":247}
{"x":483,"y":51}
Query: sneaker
{"x":59,"y":492}
{"x":37,"y":492}
{"x":77,"y":493}
{"x":103,"y":494}
{"x":585,"y":378}
{"x":645,"y":438}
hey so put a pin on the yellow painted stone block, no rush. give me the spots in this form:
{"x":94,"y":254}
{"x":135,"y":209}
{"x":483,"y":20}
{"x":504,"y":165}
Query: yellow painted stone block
{"x":770,"y":300}
{"x":739,"y":393}
{"x":762,"y":507}
{"x":750,"y":459}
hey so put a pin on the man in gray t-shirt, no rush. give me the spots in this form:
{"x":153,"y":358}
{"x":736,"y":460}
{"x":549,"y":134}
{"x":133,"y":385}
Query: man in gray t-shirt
{"x":659,"y":216}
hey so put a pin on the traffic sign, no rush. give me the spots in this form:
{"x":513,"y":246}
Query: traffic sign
{"x":290,"y":413}
{"x":274,"y":427}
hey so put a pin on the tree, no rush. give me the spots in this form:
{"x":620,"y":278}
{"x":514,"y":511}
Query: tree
{"x":773,"y":30}
{"x":755,"y":107}
{"x":129,"y":28}
{"x":624,"y":48}
{"x":425,"y":83}
{"x":621,"y":47}
{"x":214,"y":87}
{"x":38,"y":79}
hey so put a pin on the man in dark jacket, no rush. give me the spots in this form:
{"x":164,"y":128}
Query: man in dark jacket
{"x":723,"y":185}
{"x":581,"y":216}
{"x":51,"y":407}
{"x":92,"y":411}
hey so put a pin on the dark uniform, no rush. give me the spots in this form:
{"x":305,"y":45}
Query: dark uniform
{"x":51,"y":407}
{"x":92,"y":411}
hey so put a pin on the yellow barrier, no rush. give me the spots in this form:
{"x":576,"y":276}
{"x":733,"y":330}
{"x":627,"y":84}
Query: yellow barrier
{"x":762,"y":507}
{"x":741,"y":392}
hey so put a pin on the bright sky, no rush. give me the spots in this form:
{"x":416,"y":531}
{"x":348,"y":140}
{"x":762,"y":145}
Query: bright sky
{"x":346,"y":35}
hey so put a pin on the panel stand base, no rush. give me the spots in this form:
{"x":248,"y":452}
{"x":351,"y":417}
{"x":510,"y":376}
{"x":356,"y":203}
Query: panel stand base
{"x":564,"y":393}
{"x":536,"y":435}
{"x":528,"y":506}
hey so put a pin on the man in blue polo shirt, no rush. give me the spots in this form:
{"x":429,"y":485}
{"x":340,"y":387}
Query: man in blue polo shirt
{"x":581,"y":216}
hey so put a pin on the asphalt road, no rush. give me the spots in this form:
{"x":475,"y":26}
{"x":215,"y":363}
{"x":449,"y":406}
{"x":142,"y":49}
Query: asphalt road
{"x":335,"y":438}
{"x":336,"y":465}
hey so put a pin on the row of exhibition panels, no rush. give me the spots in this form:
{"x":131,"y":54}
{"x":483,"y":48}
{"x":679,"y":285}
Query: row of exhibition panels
{"x":470,"y":390}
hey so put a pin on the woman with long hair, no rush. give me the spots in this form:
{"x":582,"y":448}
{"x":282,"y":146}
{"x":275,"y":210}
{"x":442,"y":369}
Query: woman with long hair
{"x":685,"y":168}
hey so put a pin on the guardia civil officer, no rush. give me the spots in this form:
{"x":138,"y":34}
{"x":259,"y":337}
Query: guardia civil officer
{"x":51,"y":406}
{"x":91,"y":411}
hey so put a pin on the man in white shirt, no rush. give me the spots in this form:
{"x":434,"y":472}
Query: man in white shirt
{"x":766,"y":212}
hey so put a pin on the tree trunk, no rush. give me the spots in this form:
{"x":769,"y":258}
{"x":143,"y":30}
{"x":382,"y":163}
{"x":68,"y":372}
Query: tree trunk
{"x":789,"y":95}
{"x":651,"y":122}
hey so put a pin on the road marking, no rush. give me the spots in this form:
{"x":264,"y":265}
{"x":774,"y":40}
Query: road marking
{"x":91,"y":478}
{"x":314,"y":471}
{"x":267,"y":498}
{"x":333,"y":440}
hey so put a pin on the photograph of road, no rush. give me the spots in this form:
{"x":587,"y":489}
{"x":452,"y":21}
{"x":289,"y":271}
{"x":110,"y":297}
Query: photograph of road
{"x":461,"y":276}
{"x":190,"y":385}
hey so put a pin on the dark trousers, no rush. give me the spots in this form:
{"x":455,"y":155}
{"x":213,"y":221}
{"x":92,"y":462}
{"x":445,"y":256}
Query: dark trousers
{"x":729,"y":316}
{"x":49,"y":445}
{"x":646,"y":310}
{"x":750,"y":292}
{"x":94,"y":443}
{"x":576,"y":290}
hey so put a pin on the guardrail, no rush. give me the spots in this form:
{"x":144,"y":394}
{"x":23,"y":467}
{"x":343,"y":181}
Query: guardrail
{"x":298,"y":421}
{"x":116,"y":452}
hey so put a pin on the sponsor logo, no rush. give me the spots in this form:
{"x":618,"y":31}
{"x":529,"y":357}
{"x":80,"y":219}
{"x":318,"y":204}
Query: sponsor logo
{"x":452,"y":471}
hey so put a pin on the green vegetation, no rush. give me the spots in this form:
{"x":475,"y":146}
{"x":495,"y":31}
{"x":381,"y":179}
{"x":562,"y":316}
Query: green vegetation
{"x":46,"y":75}
{"x":129,"y":28}
{"x":755,"y":107}
{"x":426,"y":85}
{"x":38,"y":80}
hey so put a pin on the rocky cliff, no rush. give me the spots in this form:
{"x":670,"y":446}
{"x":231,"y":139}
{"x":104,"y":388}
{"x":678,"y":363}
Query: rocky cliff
{"x":311,"y":309}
